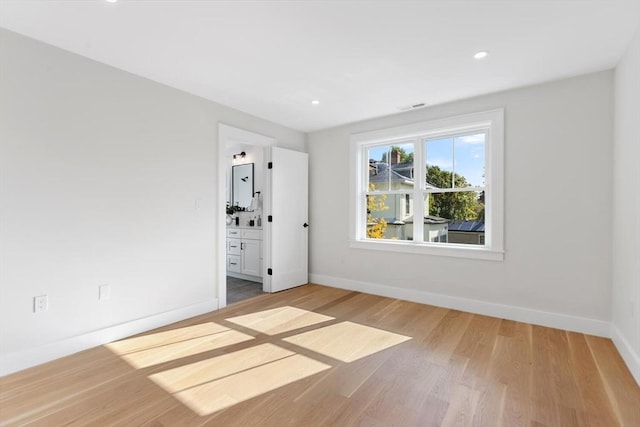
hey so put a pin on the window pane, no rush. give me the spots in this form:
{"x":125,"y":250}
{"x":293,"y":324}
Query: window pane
{"x":390,"y":167}
{"x":390,"y":216}
{"x":439,"y":155}
{"x":456,"y":217}
{"x":469,"y":160}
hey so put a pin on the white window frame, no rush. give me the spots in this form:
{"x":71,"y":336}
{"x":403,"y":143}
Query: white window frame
{"x":493,"y":122}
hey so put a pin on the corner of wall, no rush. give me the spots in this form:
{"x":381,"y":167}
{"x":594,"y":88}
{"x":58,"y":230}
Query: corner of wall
{"x":630,"y":357}
{"x":625,"y":224}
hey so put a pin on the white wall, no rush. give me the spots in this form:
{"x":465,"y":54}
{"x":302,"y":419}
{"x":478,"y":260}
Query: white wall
{"x":105,"y":178}
{"x":626,"y":209}
{"x":557,"y":267}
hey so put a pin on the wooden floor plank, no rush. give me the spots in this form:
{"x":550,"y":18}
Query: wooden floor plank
{"x":545,"y":394}
{"x":320,"y":356}
{"x":592,"y":390}
{"x":491,"y":403}
{"x":512,"y":365}
{"x":620,"y":387}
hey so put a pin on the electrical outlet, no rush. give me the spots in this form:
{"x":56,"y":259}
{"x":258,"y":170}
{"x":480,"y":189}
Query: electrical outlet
{"x":103,"y":292}
{"x":40,"y":303}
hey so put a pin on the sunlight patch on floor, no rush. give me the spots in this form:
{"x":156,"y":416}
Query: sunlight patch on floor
{"x":279,"y":320}
{"x":158,"y":339}
{"x":221,"y":381}
{"x":236,"y":377}
{"x":176,"y":350}
{"x":347,"y":341}
{"x":194,"y":374}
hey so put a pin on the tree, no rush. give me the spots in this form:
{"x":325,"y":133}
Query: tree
{"x":404,"y":156}
{"x":480,"y":207}
{"x":376,"y":226}
{"x":464,"y":205}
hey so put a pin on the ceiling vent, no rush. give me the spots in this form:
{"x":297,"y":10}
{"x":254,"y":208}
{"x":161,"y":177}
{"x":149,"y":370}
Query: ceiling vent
{"x":412,"y":107}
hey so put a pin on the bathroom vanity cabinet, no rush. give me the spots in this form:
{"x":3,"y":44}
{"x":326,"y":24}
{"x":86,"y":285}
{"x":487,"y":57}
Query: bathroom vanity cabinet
{"x":244,"y":253}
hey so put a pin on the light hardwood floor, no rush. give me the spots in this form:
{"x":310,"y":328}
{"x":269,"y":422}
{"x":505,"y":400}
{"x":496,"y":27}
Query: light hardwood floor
{"x":318,"y":356}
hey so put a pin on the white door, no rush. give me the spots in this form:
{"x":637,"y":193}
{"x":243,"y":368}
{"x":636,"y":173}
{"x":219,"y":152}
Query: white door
{"x":287,"y":233}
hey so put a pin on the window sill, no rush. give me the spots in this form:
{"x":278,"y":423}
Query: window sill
{"x":456,"y":251}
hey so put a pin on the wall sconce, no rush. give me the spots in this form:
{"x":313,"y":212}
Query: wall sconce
{"x":241,"y":154}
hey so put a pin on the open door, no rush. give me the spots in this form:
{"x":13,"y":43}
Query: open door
{"x":286,"y":207}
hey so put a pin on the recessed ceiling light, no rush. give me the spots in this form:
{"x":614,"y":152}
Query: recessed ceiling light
{"x":315,"y":102}
{"x":111,"y":1}
{"x":481,"y":54}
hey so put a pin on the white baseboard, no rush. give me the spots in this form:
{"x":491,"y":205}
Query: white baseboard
{"x":20,"y":360}
{"x":520,"y":314}
{"x":630,"y":357}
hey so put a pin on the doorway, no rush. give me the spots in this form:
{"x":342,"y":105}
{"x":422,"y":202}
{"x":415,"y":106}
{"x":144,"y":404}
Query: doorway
{"x":247,"y":279}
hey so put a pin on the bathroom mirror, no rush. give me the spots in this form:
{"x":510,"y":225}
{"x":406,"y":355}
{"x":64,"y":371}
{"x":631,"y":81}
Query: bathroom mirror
{"x":242,"y":185}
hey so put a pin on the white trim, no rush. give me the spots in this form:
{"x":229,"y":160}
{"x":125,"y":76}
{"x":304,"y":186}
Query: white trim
{"x":20,"y":360}
{"x":493,"y":122}
{"x":451,"y":190}
{"x":429,"y":128}
{"x":356,"y":223}
{"x":450,"y":250}
{"x":630,"y":357}
{"x":494,"y":174}
{"x":520,"y":314}
{"x":267,"y":234}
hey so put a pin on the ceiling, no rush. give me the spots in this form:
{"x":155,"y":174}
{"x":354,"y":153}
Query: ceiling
{"x":360,"y":59}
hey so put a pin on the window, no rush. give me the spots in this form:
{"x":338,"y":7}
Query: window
{"x":433,"y":187}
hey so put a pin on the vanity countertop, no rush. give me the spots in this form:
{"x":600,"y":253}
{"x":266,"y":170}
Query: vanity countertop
{"x":244,"y":227}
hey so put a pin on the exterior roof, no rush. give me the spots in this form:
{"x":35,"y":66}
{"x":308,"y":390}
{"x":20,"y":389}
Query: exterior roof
{"x":380,"y":173}
{"x":394,"y":221}
{"x":398,"y":174}
{"x":429,"y":219}
{"x":432,"y":219}
{"x":467,"y":226}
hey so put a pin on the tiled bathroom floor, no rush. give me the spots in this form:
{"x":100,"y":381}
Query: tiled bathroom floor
{"x":240,"y":289}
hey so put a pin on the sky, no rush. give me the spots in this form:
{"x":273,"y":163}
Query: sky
{"x":463,"y":155}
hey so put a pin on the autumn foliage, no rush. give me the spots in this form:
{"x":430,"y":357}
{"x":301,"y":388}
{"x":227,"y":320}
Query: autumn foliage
{"x":376,"y":226}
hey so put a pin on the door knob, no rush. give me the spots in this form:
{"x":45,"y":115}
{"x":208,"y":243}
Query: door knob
{"x":305,"y":225}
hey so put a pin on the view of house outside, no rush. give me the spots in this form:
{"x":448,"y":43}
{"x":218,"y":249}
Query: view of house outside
{"x":453,"y":190}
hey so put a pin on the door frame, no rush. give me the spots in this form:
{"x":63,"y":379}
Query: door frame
{"x":227,"y":136}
